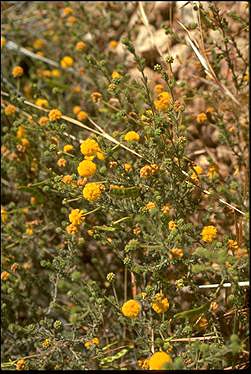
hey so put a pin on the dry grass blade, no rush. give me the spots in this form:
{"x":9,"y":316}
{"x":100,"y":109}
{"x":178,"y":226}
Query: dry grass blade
{"x":208,"y":69}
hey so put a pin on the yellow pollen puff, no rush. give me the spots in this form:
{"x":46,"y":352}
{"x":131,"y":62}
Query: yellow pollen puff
{"x":80,"y":46}
{"x":4,"y":275}
{"x":127,"y":167}
{"x":68,"y":148}
{"x":29,"y":231}
{"x":82,"y":116}
{"x":232,"y":245}
{"x":43,"y":121}
{"x":67,"y":11}
{"x":172,"y":225}
{"x":116,"y":75}
{"x":96,"y":97}
{"x":3,"y":41}
{"x":131,"y":308}
{"x":160,"y":303}
{"x":67,"y":179}
{"x":66,"y":62}
{"x":56,"y":73}
{"x":38,"y":44}
{"x":20,"y":132}
{"x":89,"y":343}
{"x":148,"y":170}
{"x":10,"y":109}
{"x":71,"y":20}
{"x":61,"y":162}
{"x":46,"y":343}
{"x":201,"y":117}
{"x":131,"y":136}
{"x":25,"y":142}
{"x":149,"y":206}
{"x":42,"y":102}
{"x":92,"y":191}
{"x":89,"y":147}
{"x":76,"y":217}
{"x":158,"y":361}
{"x":165,"y":209}
{"x":208,"y":233}
{"x":76,"y":109}
{"x":177,"y":252}
{"x":20,"y":365}
{"x":17,"y":71}
{"x":4,"y":215}
{"x":71,"y":229}
{"x":54,"y":115}
{"x":113,"y":44}
{"x":87,"y":168}
{"x":163,"y":101}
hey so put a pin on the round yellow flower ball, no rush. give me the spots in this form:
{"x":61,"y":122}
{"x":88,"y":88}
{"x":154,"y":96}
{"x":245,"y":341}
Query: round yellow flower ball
{"x":131,"y":308}
{"x":92,"y":191}
{"x":17,"y":71}
{"x":87,"y":168}
{"x":159,"y":360}
{"x":131,"y":136}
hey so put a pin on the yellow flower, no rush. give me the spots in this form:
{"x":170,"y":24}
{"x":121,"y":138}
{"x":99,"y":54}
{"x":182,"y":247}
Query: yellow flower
{"x":56,"y":73}
{"x":10,"y":109}
{"x":149,"y":206}
{"x":92,"y":191}
{"x":232,"y":245}
{"x":144,"y":363}
{"x":20,"y":131}
{"x":25,"y":142}
{"x":76,"y":89}
{"x":46,"y":343}
{"x":165,"y":209}
{"x":71,"y":20}
{"x":202,"y":323}
{"x":148,"y":170}
{"x":160,"y":303}
{"x":43,"y":121}
{"x":76,"y":217}
{"x":127,"y":167}
{"x":158,"y":88}
{"x":71,"y":229}
{"x":87,"y":168}
{"x":66,"y":62}
{"x":208,"y":233}
{"x":67,"y":11}
{"x":42,"y":102}
{"x":54,"y":115}
{"x":68,"y":148}
{"x":80,"y":46}
{"x":17,"y":71}
{"x":38,"y":44}
{"x":67,"y":179}
{"x":3,"y":41}
{"x":113,"y":44}
{"x":210,"y":109}
{"x":76,"y":109}
{"x":20,"y":365}
{"x":29,"y":231}
{"x":201,"y":117}
{"x":4,"y":215}
{"x":116,"y":75}
{"x":100,"y":156}
{"x":158,"y":361}
{"x":177,"y":252}
{"x":163,"y":101}
{"x":61,"y":162}
{"x":172,"y":225}
{"x":96,"y":97}
{"x":82,"y":116}
{"x":131,"y":308}
{"x":212,"y":171}
{"x":89,"y":343}
{"x":197,"y":170}
{"x":4,"y":275}
{"x":131,"y":136}
{"x":89,"y":147}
